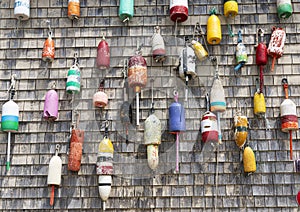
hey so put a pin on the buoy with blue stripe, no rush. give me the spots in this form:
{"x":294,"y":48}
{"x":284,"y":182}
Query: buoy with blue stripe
{"x":176,"y":123}
{"x":217,"y":100}
{"x":289,"y":118}
{"x":73,"y":78}
{"x":22,"y":9}
{"x":105,"y":166}
{"x":126,"y":10}
{"x":10,"y":118}
{"x":51,"y":104}
{"x":54,"y":173}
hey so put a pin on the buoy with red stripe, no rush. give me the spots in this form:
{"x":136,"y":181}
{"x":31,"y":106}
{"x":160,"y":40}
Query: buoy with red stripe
{"x":249,"y":160}
{"x":158,"y":46}
{"x":231,"y":8}
{"x":10,"y":117}
{"x":284,"y":8}
{"x":176,"y":123}
{"x":214,"y":31}
{"x":104,"y":166}
{"x":48,"y":52}
{"x":103,"y":55}
{"x":100,"y":98}
{"x":276,"y":44}
{"x":22,"y":9}
{"x":152,"y":136}
{"x":51,"y":104}
{"x":241,"y":53}
{"x":289,"y":118}
{"x":54,"y":173}
{"x":74,"y":9}
{"x":137,"y":77}
{"x":209,"y":125}
{"x":179,"y":10}
{"x":187,"y":66}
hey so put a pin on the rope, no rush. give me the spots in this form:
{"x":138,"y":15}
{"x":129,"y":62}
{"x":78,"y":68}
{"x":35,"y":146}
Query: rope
{"x":217,"y":179}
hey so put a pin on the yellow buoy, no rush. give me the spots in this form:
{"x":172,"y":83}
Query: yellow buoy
{"x":231,"y":8}
{"x":259,"y":104}
{"x":241,"y":133}
{"x":249,"y":160}
{"x":214,"y":32}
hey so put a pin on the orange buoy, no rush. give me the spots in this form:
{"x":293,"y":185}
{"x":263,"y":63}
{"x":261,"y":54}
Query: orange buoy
{"x":74,"y":9}
{"x":48,"y":50}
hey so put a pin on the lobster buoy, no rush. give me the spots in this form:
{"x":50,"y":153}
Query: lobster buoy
{"x":74,"y":9}
{"x":209,"y":127}
{"x":217,"y":97}
{"x":241,"y":53}
{"x":249,"y":160}
{"x":51,"y":105}
{"x":214,"y":32}
{"x":259,"y":104}
{"x":261,"y":54}
{"x":10,"y":117}
{"x":231,"y":8}
{"x":176,"y":123}
{"x":137,"y":77}
{"x":276,"y":45}
{"x":100,"y":98}
{"x":179,"y":10}
{"x":158,"y":46}
{"x":73,"y":80}
{"x":241,"y":130}
{"x":75,"y":153}
{"x":22,"y":9}
{"x":103,"y":55}
{"x":54,"y":173}
{"x":48,"y":49}
{"x":284,"y":8}
{"x":199,"y":50}
{"x":105,"y":168}
{"x":152,"y":138}
{"x":298,"y":198}
{"x":126,"y":10}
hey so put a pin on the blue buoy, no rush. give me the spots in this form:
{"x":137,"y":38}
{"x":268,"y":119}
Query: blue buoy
{"x":177,"y":118}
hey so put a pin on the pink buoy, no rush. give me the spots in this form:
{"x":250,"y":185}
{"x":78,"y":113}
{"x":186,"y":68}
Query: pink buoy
{"x":51,"y":105}
{"x":100,"y":99}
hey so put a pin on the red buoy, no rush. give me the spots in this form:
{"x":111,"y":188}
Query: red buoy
{"x":103,"y":55}
{"x":179,"y":10}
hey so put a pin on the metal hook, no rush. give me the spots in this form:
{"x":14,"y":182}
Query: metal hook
{"x":57,"y":147}
{"x":53,"y":85}
{"x":157,"y":29}
{"x":49,"y":28}
{"x":76,"y":62}
{"x":124,"y":70}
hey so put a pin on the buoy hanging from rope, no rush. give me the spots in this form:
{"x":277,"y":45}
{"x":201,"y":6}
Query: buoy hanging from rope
{"x":187,"y":66}
{"x":276,"y":44}
{"x":240,"y":129}
{"x":74,"y":9}
{"x":214,"y":32}
{"x":104,"y":166}
{"x":198,"y":48}
{"x":76,"y":145}
{"x":103,"y":55}
{"x":217,"y":99}
{"x":176,"y":123}
{"x":125,"y":112}
{"x":22,"y":9}
{"x":51,"y":104}
{"x":73,"y":77}
{"x":48,"y":53}
{"x":289,"y":118}
{"x":179,"y":10}
{"x":284,"y":8}
{"x":209,"y":125}
{"x":137,"y":77}
{"x":54,"y":173}
{"x":100,"y":98}
{"x":249,"y":160}
{"x":231,"y":8}
{"x":158,"y":46}
{"x":152,"y":135}
{"x":10,"y":117}
{"x":126,"y":10}
{"x":241,"y":53}
{"x":261,"y":57}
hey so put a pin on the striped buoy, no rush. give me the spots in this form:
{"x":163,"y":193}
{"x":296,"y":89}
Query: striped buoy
{"x":22,"y":9}
{"x":73,"y":9}
{"x":179,"y":10}
{"x":73,"y":80}
{"x":10,"y":117}
{"x":231,"y":8}
{"x":276,"y":45}
{"x":217,"y":97}
{"x":284,"y":8}
{"x":51,"y":105}
{"x":105,"y":168}
{"x":249,"y":160}
{"x":214,"y":31}
{"x":209,"y":127}
{"x":241,"y":130}
{"x":158,"y":46}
